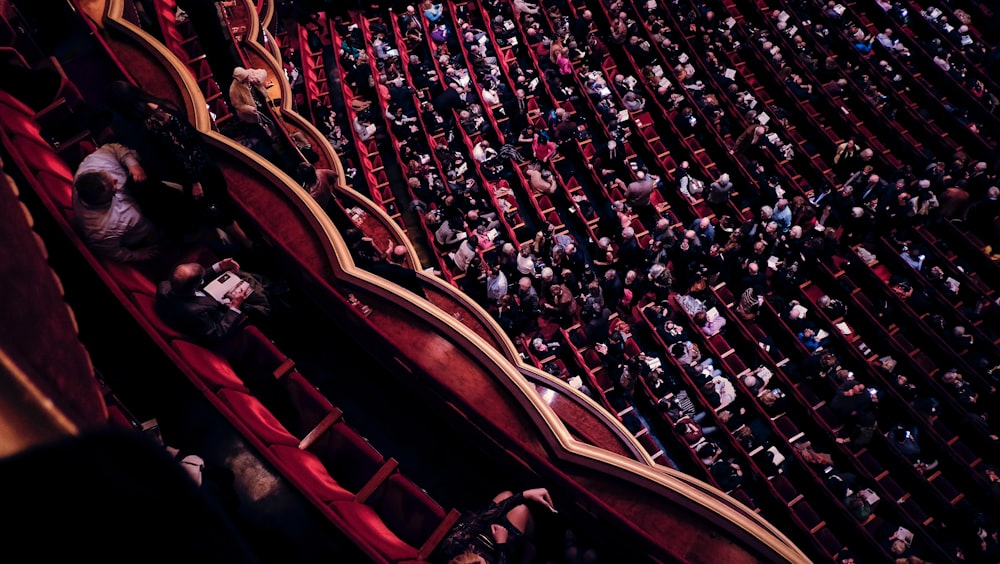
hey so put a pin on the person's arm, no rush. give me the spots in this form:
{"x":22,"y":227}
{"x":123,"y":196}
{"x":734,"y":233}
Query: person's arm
{"x":216,"y":331}
{"x":117,"y":249}
{"x":127,"y":157}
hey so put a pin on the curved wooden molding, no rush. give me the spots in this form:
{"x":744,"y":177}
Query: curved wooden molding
{"x":335,"y":268}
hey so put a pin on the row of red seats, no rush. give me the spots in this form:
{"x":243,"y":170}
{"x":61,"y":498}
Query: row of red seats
{"x":934,"y":93}
{"x":369,"y":159}
{"x":503,"y":198}
{"x":314,"y":79}
{"x":181,"y":39}
{"x":918,"y":357}
{"x":905,"y":119}
{"x":571,"y":188}
{"x":708,"y":156}
{"x":854,"y":125}
{"x":441,"y":263}
{"x":923,"y":30}
{"x":378,"y":508}
{"x":792,"y":169}
{"x":807,"y":502}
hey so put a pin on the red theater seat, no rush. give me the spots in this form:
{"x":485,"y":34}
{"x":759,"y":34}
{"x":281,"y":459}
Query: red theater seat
{"x":256,"y":416}
{"x":347,"y":456}
{"x":363,"y":523}
{"x":213,"y":370}
{"x":407,"y":509}
{"x":308,"y":474}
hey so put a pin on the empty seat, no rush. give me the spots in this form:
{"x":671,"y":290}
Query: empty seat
{"x":347,"y":456}
{"x":363,"y":524}
{"x":257,"y":417}
{"x":406,"y":509}
{"x":308,"y":474}
{"x":309,"y":404}
{"x":810,"y":520}
{"x":258,"y":355}
{"x":213,"y":371}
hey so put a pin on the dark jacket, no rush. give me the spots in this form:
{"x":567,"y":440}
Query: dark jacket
{"x":198,"y":316}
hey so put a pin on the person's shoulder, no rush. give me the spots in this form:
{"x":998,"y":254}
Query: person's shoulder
{"x":163,"y":290}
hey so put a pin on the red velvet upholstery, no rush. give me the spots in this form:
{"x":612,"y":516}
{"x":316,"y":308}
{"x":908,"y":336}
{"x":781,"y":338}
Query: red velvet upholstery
{"x":310,"y":405}
{"x":15,"y":122}
{"x":117,"y":418}
{"x":11,"y":104}
{"x":146,"y":304}
{"x":406,"y":509}
{"x":213,"y":370}
{"x":130,"y":278}
{"x":59,"y":187}
{"x":259,"y":418}
{"x":362,"y":522}
{"x":258,"y":356}
{"x":309,"y":475}
{"x":42,"y":159}
{"x":349,"y":458}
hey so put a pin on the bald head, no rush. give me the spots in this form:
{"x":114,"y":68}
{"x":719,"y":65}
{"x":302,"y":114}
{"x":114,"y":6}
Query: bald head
{"x":399,"y":254}
{"x":186,"y":278}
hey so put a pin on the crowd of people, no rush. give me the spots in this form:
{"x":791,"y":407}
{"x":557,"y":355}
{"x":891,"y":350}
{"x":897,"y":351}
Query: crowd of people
{"x":461,"y":119}
{"x":560,"y":278}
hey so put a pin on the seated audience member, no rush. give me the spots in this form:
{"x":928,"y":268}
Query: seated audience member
{"x":183,"y":304}
{"x":183,"y":157}
{"x":708,"y":326}
{"x":542,"y":148}
{"x":432,"y":10}
{"x":497,"y":533}
{"x":810,"y":339}
{"x":451,"y":233}
{"x":858,"y":506}
{"x":319,"y":182}
{"x":463,"y":256}
{"x":105,"y":210}
{"x":363,"y":249}
{"x":249,"y":99}
{"x":833,"y":308}
{"x":727,"y":473}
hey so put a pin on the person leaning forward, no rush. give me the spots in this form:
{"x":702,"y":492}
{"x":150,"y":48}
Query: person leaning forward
{"x":184,"y":305}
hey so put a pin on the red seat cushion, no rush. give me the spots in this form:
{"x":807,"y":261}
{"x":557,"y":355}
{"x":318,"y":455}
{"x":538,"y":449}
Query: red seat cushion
{"x":406,"y":509}
{"x":130,"y":278}
{"x":309,"y":475}
{"x":147,"y":305}
{"x":362,"y":523}
{"x":349,"y":458}
{"x":213,"y":371}
{"x":257,"y":417}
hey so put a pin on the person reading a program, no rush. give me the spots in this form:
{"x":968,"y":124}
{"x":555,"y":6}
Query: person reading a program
{"x":210,"y":304}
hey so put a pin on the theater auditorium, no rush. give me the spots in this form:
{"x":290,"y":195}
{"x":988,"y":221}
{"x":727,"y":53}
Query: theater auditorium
{"x":554,"y":281}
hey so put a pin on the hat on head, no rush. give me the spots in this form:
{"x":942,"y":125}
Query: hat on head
{"x":240,"y":73}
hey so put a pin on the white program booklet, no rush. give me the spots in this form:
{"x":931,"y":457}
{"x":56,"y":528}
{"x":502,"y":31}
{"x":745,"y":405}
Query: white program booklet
{"x":223,"y":284}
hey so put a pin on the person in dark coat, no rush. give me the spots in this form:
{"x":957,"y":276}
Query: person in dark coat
{"x":183,"y":304}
